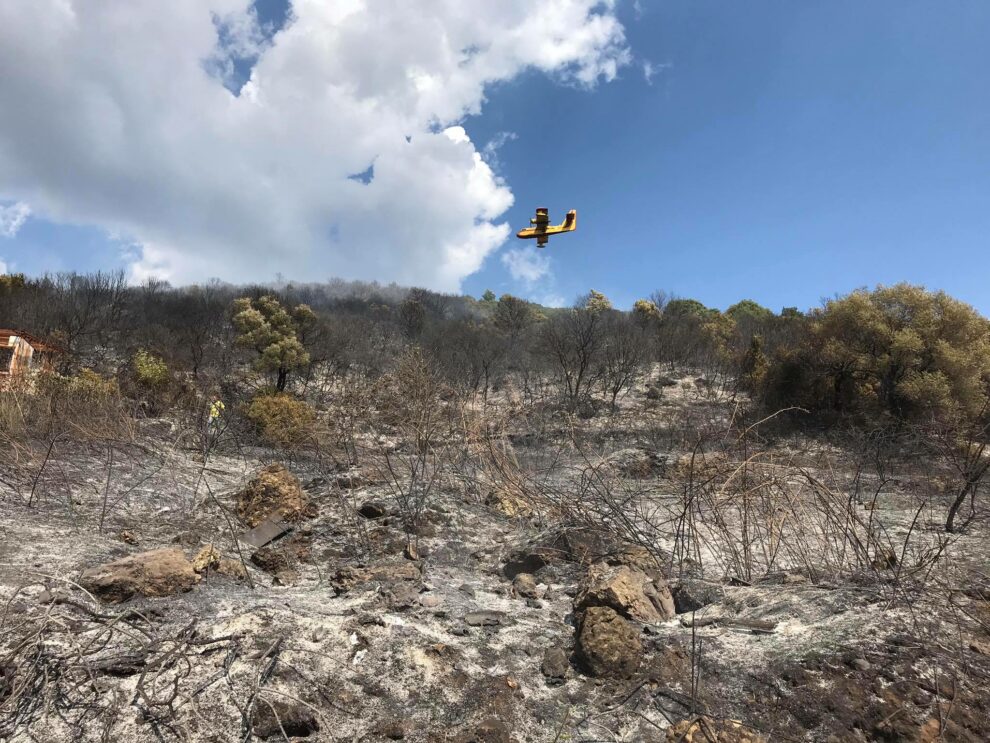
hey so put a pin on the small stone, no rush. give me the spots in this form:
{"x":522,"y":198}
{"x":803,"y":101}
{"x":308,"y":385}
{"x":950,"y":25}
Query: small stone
{"x":861,"y":664}
{"x":555,"y":666}
{"x":490,"y":730}
{"x":484,"y":618}
{"x":232,"y":569}
{"x":691,"y":595}
{"x":128,"y":537}
{"x":534,"y":603}
{"x":402,"y":595}
{"x":524,"y":585}
{"x":350,"y":481}
{"x":430,"y":600}
{"x":271,"y":560}
{"x":207,"y":558}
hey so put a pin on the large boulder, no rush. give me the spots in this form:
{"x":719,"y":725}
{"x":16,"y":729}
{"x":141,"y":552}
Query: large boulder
{"x":273,"y":491}
{"x":627,"y":590}
{"x":161,"y":572}
{"x":608,"y":645}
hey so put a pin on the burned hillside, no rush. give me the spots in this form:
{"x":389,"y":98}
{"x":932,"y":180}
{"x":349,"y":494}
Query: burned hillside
{"x":365,"y":513}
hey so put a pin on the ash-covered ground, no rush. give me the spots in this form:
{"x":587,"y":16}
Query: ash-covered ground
{"x":651,"y":592}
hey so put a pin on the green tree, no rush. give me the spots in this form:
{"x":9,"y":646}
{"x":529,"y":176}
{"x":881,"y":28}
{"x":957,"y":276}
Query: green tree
{"x":749,"y":311}
{"x":901,"y":352}
{"x":513,"y":315}
{"x":595,"y":302}
{"x":753,"y":367}
{"x":645,"y":313}
{"x":488,"y":296}
{"x":686,"y":308}
{"x":12,"y":282}
{"x":272,"y":331}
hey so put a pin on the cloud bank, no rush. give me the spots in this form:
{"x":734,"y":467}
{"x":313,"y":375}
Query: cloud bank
{"x":128,"y":116}
{"x":12,"y":218}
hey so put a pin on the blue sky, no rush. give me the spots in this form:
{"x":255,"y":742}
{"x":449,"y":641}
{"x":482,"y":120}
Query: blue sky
{"x":780,"y":151}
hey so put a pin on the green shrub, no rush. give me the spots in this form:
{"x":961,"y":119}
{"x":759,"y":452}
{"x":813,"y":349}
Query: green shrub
{"x":82,"y":406}
{"x":150,"y":371}
{"x":281,"y":419}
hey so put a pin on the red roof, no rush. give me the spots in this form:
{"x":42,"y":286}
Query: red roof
{"x":34,"y":341}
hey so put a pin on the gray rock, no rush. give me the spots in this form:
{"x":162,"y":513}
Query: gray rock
{"x":484,"y":618}
{"x":691,"y":595}
{"x":555,"y":666}
{"x":402,"y":596}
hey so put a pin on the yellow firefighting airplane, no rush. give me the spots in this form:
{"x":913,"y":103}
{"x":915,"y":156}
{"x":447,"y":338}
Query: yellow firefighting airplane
{"x":542,"y":229}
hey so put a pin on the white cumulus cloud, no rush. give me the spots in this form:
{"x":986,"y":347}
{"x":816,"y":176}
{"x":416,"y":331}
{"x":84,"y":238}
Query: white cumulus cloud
{"x":118,"y":114}
{"x":3,"y":266}
{"x":12,"y":218}
{"x":527,"y":266}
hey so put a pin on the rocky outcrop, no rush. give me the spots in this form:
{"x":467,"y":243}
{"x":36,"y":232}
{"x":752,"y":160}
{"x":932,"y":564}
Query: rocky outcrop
{"x":608,"y":645}
{"x":627,"y":590}
{"x":274,"y":491}
{"x":161,"y":572}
